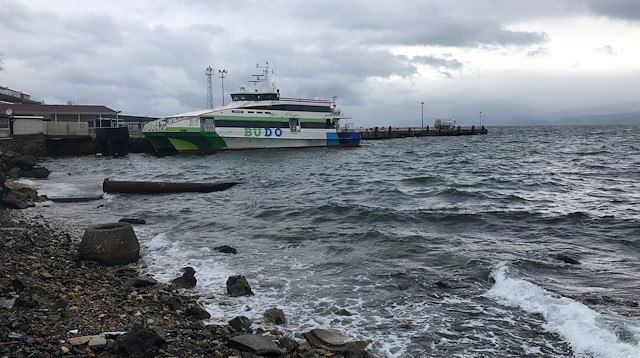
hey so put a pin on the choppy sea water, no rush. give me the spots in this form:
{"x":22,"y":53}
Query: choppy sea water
{"x":438,"y":246}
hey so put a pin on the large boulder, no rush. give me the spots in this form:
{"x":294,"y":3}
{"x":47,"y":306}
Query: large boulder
{"x":24,"y":162}
{"x":255,"y":344}
{"x":28,"y":191}
{"x":333,"y":340}
{"x":110,"y":244}
{"x":187,"y":280}
{"x":275,"y":316}
{"x":36,"y":172}
{"x":238,"y":286}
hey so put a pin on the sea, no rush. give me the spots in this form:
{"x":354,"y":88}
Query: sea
{"x":524,"y":242}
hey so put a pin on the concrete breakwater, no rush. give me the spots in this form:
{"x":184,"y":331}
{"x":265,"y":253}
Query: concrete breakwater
{"x":403,"y":132}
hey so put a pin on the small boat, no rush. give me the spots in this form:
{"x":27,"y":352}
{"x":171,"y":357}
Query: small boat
{"x":254,"y":120}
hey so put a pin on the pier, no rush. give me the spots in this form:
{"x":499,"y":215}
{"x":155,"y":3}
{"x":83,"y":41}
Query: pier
{"x":403,"y":132}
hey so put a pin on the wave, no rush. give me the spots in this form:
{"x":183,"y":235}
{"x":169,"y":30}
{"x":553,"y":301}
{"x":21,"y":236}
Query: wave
{"x":589,"y":333}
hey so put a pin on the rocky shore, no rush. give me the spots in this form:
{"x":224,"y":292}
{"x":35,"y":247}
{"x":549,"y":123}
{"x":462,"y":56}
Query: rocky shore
{"x":54,"y":304}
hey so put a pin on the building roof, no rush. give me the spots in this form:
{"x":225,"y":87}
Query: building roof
{"x":28,"y":108}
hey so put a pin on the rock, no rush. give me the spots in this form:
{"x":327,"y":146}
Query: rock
{"x":60,"y":303}
{"x":24,"y":162}
{"x":27,"y":190}
{"x":14,"y":173}
{"x":26,"y":302}
{"x":37,"y":172}
{"x":255,"y":344}
{"x":333,"y":340}
{"x":358,"y":353}
{"x":198,"y":313}
{"x":238,"y":286}
{"x":275,"y":316}
{"x":8,"y":155}
{"x":241,"y":324}
{"x":110,"y":244}
{"x":78,"y":341}
{"x":173,"y":303}
{"x":13,"y":203}
{"x":133,"y":221}
{"x":140,"y":282}
{"x":566,"y":259}
{"x":226,"y":249}
{"x":187,"y":280}
{"x":20,"y":284}
{"x":98,"y":341}
{"x":142,"y":343}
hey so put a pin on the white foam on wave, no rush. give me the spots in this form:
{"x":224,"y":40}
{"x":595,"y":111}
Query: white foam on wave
{"x":589,"y":333}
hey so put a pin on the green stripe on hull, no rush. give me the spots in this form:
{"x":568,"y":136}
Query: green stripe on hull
{"x":190,"y":141}
{"x":158,"y":140}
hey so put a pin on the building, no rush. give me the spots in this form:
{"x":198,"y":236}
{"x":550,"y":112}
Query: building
{"x":56,"y":120}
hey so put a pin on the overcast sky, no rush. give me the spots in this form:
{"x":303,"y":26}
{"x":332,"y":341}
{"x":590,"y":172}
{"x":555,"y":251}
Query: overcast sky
{"x":512,"y":60}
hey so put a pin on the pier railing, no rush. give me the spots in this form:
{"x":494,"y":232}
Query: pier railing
{"x":402,"y":132}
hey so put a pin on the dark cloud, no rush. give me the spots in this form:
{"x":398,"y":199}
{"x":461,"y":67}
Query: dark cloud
{"x":621,"y":9}
{"x":420,"y":23}
{"x":438,"y":63}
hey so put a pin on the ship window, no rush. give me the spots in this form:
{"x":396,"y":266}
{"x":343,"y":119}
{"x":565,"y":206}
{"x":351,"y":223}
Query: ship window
{"x":259,"y":112}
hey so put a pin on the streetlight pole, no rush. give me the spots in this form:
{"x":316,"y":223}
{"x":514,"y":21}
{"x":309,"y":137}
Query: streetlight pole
{"x":222,"y":73}
{"x":480,"y":118}
{"x":422,"y":104}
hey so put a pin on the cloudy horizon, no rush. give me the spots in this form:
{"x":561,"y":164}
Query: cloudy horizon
{"x":513,"y":61}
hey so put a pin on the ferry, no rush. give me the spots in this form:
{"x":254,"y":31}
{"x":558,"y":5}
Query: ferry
{"x":254,"y":120}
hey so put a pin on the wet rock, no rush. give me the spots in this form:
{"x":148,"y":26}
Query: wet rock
{"x":13,"y":203}
{"x":275,"y":316}
{"x":333,"y":340}
{"x":238,"y":286}
{"x":198,"y":313}
{"x":187,"y":280}
{"x":255,"y":344}
{"x":142,"y":343}
{"x":566,"y":259}
{"x":24,"y":162}
{"x":37,"y":173}
{"x":110,"y":244}
{"x":133,"y":221}
{"x":140,"y":282}
{"x":241,"y":324}
{"x":226,"y":249}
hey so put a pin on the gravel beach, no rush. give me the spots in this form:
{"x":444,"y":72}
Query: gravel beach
{"x":54,"y":305}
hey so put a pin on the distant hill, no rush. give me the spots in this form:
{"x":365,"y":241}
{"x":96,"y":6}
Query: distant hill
{"x":602,"y":119}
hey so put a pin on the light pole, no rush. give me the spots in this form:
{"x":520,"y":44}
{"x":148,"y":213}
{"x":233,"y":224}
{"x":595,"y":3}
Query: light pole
{"x":480,"y":118}
{"x":222,"y":73}
{"x":422,"y":104}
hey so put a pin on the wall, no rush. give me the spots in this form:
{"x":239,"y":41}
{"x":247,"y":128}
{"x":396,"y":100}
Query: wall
{"x":26,"y":144}
{"x":27,"y":126}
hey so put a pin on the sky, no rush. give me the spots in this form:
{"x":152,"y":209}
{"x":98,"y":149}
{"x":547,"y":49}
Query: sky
{"x":399,"y":63}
